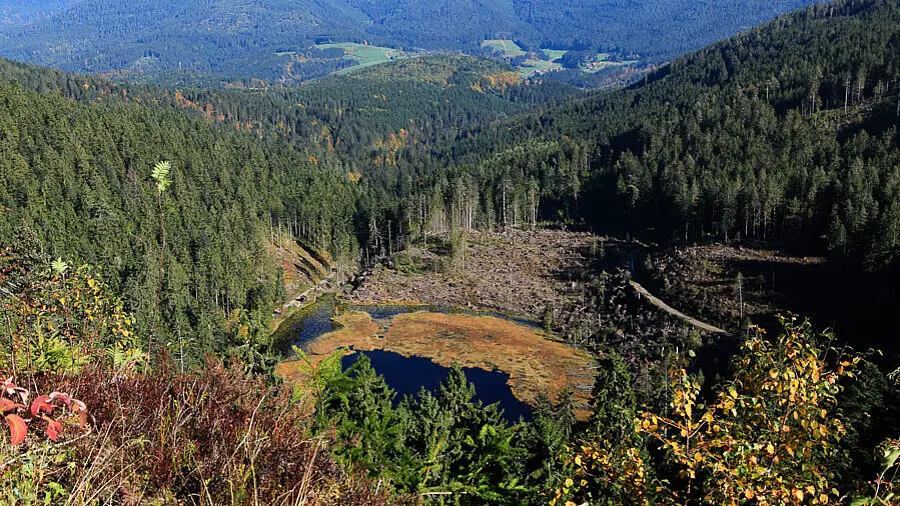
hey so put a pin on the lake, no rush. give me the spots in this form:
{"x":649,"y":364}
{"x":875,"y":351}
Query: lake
{"x":408,"y":375}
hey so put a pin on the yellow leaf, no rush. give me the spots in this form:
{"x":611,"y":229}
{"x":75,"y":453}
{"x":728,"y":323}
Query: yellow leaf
{"x":569,"y":482}
{"x":578,"y":460}
{"x":749,"y":494}
{"x":770,"y":449}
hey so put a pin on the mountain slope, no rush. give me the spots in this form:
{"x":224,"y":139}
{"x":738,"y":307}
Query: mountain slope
{"x":253,"y":169}
{"x":75,"y":181}
{"x":252,"y":38}
{"x":748,"y":136}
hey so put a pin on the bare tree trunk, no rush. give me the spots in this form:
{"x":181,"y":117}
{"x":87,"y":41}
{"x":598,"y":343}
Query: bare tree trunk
{"x":533,"y":210}
{"x":503,"y":213}
{"x":846,"y":93}
{"x":159,"y":272}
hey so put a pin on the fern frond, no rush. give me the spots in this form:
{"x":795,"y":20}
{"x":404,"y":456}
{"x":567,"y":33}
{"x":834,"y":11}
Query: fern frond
{"x":59,"y":266}
{"x":161,"y":175}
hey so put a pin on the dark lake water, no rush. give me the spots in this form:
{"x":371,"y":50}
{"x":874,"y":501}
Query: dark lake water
{"x":314,"y":322}
{"x":409,"y":375}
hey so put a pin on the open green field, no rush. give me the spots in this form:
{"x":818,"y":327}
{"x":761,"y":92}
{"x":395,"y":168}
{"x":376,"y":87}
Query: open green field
{"x":531,"y":66}
{"x":554,"y":54}
{"x":507,"y":47}
{"x":366,"y":55}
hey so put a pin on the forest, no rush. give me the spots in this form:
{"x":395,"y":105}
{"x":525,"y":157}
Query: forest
{"x":138,"y":283}
{"x":340,"y":437}
{"x":753,"y":137}
{"x":74,"y":172}
{"x":271,"y":41}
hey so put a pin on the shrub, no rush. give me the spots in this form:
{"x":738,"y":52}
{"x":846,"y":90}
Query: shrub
{"x":59,"y":319}
{"x":214,"y":436}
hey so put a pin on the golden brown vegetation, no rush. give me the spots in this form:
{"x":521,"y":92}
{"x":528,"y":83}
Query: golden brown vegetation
{"x":535,"y":363}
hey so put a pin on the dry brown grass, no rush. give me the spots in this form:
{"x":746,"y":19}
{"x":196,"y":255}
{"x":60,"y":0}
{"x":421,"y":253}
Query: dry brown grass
{"x":213,"y":436}
{"x":535,"y":363}
{"x":355,"y":329}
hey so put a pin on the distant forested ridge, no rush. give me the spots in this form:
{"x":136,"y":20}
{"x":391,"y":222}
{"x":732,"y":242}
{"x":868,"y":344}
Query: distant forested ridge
{"x":272,"y":40}
{"x":366,"y":115}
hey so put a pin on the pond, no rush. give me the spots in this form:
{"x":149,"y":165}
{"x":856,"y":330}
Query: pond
{"x":316,"y":320}
{"x":305,"y":326}
{"x":408,"y":375}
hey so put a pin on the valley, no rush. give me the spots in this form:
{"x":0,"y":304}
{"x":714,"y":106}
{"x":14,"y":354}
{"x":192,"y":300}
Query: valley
{"x":371,"y":253}
{"x":282,"y":43}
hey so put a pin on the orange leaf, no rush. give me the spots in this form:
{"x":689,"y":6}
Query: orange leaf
{"x":53,"y":428}
{"x":41,"y":404}
{"x":8,"y":405}
{"x":17,"y":429}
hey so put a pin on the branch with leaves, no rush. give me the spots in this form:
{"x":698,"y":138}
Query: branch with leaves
{"x":768,"y":436}
{"x":885,"y":484}
{"x":49,"y":409}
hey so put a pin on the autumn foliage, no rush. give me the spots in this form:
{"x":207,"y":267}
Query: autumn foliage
{"x":126,"y":433}
{"x":47,"y":410}
{"x":58,"y":318}
{"x":767,"y":437}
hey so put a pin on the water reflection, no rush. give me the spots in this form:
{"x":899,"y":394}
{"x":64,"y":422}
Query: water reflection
{"x":408,"y":375}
